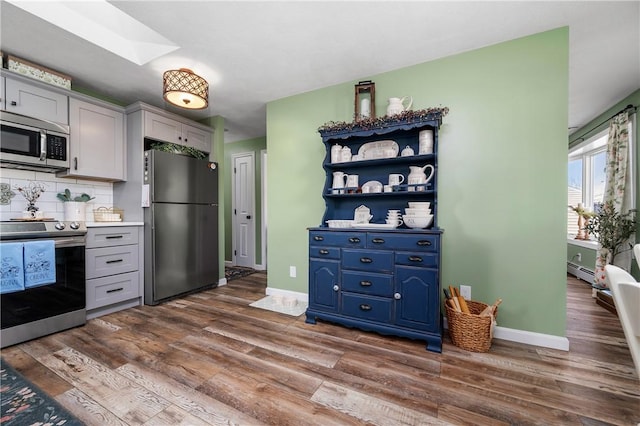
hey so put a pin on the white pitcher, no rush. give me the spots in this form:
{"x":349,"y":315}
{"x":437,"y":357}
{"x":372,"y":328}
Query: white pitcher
{"x":339,"y":181}
{"x":419,"y":177}
{"x":396,"y":105}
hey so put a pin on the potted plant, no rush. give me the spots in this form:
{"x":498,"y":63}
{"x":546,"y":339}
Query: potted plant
{"x":612,"y":229}
{"x":74,"y":206}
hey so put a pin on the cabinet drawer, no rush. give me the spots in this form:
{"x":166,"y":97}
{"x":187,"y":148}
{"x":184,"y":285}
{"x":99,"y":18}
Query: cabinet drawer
{"x":324,"y":252}
{"x":367,"y":260}
{"x":113,"y":289}
{"x":112,"y":236}
{"x":367,"y":283}
{"x":429,"y":260}
{"x":337,"y":239}
{"x":105,"y":261}
{"x":369,"y":308}
{"x":388,"y":241}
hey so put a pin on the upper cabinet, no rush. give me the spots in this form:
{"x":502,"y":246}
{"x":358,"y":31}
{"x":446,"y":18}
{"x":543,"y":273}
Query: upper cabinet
{"x":163,"y":128}
{"x":34,"y":101}
{"x":97,"y":145}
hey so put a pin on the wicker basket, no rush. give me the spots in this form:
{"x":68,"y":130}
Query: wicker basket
{"x":108,"y":214}
{"x":470,"y":331}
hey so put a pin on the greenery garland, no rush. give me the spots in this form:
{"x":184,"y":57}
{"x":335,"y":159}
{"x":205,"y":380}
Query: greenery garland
{"x":385,"y":121}
{"x":178,"y":149}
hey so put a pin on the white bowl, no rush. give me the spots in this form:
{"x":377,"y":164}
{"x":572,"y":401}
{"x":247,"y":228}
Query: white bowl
{"x":415,"y":211}
{"x":419,"y":204}
{"x":417,"y":222}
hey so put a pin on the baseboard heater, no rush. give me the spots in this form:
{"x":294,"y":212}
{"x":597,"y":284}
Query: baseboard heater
{"x":580,"y":272}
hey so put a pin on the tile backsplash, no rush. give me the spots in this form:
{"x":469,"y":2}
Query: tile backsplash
{"x":48,"y":202}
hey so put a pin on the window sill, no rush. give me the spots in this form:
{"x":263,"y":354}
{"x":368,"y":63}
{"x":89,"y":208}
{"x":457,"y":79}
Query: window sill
{"x":593,"y":245}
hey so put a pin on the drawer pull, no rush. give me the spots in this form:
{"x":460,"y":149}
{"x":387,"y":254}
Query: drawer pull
{"x":336,"y":288}
{"x":397,"y":296}
{"x":424,"y":243}
{"x":365,"y":307}
{"x":114,"y":261}
{"x":318,"y":238}
{"x":112,"y":237}
{"x":113,"y":290}
{"x":323,"y":251}
{"x":415,"y":258}
{"x":354,"y":240}
{"x":366,"y":260}
{"x":365,"y":283}
{"x":378,"y":241}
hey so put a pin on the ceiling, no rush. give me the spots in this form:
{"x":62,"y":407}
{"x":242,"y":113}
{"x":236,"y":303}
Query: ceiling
{"x":256,"y":52}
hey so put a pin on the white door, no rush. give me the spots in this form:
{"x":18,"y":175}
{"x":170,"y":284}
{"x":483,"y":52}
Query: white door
{"x":244,"y":228}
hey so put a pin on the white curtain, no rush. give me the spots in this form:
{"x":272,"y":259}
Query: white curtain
{"x":617,"y":189}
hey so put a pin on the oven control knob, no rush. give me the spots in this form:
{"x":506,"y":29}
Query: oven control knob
{"x":74,"y":225}
{"x":59,"y":226}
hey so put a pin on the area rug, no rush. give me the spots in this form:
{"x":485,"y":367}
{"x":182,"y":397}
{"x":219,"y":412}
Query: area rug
{"x":23,"y":403}
{"x":277,"y":303}
{"x":235,"y":272}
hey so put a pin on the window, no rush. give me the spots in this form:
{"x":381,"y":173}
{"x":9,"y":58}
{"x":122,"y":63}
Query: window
{"x":586,"y":176}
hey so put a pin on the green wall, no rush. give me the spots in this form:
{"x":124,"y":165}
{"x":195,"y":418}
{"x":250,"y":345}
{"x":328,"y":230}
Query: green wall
{"x":502,"y":165}
{"x":251,"y":145}
{"x":596,"y":125}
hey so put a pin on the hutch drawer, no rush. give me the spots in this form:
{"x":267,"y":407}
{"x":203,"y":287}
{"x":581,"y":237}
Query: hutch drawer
{"x":338,"y":239}
{"x":367,"y":260}
{"x":367,"y":307}
{"x":367,"y":283}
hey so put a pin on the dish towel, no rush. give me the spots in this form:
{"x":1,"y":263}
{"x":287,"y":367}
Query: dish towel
{"x":11,"y":268}
{"x":39,"y":263}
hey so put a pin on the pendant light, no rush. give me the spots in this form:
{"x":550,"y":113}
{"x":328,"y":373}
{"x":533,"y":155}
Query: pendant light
{"x":185,"y":89}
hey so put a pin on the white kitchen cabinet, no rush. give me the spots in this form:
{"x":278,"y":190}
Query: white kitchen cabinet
{"x":112,"y":262}
{"x":2,"y":91}
{"x":97,"y":144}
{"x":162,"y":128}
{"x":34,"y":101}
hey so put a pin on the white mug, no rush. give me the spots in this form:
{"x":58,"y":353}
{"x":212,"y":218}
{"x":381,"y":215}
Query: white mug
{"x":352,"y":181}
{"x":396,"y":179}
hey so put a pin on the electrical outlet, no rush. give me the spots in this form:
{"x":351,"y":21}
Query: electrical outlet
{"x":579,"y":257}
{"x":292,"y":271}
{"x":465,"y":291}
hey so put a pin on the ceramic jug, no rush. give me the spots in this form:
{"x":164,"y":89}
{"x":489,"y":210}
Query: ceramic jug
{"x":339,"y":181}
{"x":417,"y":176}
{"x":396,"y":105}
{"x":345,"y":154}
{"x":336,"y":150}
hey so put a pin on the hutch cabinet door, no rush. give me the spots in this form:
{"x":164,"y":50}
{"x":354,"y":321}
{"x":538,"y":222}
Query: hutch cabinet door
{"x":418,"y":305}
{"x":324,"y":286}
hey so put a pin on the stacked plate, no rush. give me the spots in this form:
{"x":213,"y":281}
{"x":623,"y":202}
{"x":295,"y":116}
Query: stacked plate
{"x":418,"y":215}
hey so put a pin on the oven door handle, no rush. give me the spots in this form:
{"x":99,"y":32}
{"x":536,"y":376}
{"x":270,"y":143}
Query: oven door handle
{"x":69,"y":242}
{"x":43,"y":145}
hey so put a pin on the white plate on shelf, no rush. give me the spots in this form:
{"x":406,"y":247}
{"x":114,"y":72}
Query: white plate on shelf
{"x":374,"y":225}
{"x":378,"y":149}
{"x":372,"y":187}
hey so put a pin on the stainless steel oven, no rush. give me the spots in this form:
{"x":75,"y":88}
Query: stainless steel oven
{"x":38,"y":311}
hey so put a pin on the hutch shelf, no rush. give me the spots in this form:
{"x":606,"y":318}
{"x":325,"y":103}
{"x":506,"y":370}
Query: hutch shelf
{"x":375,"y":279}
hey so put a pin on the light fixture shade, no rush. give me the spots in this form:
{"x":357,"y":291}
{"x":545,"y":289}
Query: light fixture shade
{"x":185,"y":89}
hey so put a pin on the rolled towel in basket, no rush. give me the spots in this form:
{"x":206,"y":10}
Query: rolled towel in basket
{"x":11,"y":267}
{"x":39,"y":263}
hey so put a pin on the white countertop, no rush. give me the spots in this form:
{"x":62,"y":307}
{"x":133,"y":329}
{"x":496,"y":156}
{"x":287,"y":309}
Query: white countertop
{"x":110,"y":224}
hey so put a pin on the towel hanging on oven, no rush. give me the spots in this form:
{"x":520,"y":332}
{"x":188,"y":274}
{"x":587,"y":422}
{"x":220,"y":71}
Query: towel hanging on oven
{"x":11,"y":268}
{"x":39,"y":263}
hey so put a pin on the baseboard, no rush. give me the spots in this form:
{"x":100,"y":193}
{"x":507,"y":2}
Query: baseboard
{"x":528,"y":337}
{"x":260,"y":267}
{"x":228,"y":263}
{"x":222,"y":282}
{"x":300,"y":297}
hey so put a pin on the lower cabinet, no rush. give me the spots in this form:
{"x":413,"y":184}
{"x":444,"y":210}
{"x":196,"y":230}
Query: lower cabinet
{"x":387,"y":282}
{"x":112,"y":269}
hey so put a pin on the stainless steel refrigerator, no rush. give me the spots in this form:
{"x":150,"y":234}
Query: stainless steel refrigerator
{"x":180,"y":225}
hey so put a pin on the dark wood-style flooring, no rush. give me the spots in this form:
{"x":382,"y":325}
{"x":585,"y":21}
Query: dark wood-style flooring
{"x":209,"y":358}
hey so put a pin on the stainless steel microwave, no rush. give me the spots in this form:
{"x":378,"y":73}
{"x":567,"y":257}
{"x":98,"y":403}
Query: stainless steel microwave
{"x":33,"y":144}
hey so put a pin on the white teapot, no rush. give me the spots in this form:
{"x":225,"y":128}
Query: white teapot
{"x":396,"y":105}
{"x":419,"y":177}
